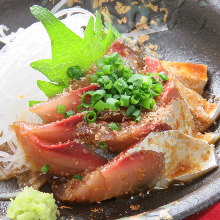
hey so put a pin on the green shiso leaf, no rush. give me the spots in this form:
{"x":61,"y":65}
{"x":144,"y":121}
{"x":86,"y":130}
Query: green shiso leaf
{"x":68,"y":49}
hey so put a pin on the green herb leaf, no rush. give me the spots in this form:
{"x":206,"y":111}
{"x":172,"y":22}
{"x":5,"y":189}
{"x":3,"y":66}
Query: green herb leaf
{"x":68,"y":49}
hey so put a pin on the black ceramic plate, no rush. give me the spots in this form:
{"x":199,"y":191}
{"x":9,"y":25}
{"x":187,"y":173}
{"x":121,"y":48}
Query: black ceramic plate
{"x":193,"y":36}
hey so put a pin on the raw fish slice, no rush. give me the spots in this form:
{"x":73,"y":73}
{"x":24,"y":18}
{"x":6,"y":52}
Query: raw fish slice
{"x":186,"y":157}
{"x":174,"y":116}
{"x":60,"y":131}
{"x":204,"y":112}
{"x":191,"y":75}
{"x":48,"y":110}
{"x":125,"y":174}
{"x":63,"y":158}
{"x":156,"y":161}
{"x":130,"y":57}
{"x":130,"y":133}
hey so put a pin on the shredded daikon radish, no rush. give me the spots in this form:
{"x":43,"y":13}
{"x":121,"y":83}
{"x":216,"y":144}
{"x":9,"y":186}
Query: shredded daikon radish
{"x":18,"y":82}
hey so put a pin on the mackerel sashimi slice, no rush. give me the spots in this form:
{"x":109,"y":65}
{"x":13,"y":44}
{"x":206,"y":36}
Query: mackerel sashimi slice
{"x":48,"y":110}
{"x":63,"y":158}
{"x":156,"y":161}
{"x":123,"y":175}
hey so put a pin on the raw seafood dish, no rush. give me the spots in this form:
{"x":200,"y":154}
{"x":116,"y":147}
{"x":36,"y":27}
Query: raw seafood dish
{"x":115,"y":121}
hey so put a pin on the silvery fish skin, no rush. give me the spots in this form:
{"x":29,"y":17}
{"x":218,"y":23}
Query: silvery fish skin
{"x":159,"y":159}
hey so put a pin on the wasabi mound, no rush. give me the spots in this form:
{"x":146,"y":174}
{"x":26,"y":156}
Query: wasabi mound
{"x":32,"y":205}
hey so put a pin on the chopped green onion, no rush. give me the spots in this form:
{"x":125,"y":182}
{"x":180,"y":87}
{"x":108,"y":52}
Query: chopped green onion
{"x":138,"y":118}
{"x":100,"y":73}
{"x":100,"y":106}
{"x":107,"y":69}
{"x":163,"y":76}
{"x":94,"y":78}
{"x":135,"y":99}
{"x":116,"y":96}
{"x":98,"y":95}
{"x":114,"y":126}
{"x":61,"y":109}
{"x":115,"y":57}
{"x":75,"y":72}
{"x":100,"y":62}
{"x":114,"y":91}
{"x":69,"y":113}
{"x":107,"y":96}
{"x":126,"y":73}
{"x":120,"y":85}
{"x":32,"y":103}
{"x":124,"y":100}
{"x":105,"y":81}
{"x":135,"y":77}
{"x":158,"y":88}
{"x":136,"y":113}
{"x":131,"y":109}
{"x":45,"y":168}
{"x":147,"y":82}
{"x":149,"y":103}
{"x":80,"y":108}
{"x":77,"y":177}
{"x":103,"y":145}
{"x":112,"y":103}
{"x":90,"y":116}
{"x":87,"y":99}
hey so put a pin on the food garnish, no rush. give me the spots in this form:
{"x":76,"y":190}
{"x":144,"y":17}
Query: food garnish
{"x":45,"y":168}
{"x":77,"y":177}
{"x":120,"y":87}
{"x":32,"y":204}
{"x":114,"y":126}
{"x":105,"y":98}
{"x":69,"y":51}
{"x":103,"y":145}
{"x":61,"y":109}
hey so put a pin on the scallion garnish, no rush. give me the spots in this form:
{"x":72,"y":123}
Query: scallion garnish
{"x":124,"y":100}
{"x":100,"y":106}
{"x":112,"y":104}
{"x":103,"y":145}
{"x":45,"y":168}
{"x":107,"y":69}
{"x":131,"y":109}
{"x":69,"y":113}
{"x":75,"y":72}
{"x":90,"y":116}
{"x":163,"y":76}
{"x":77,"y":177}
{"x":87,"y":99}
{"x":120,"y":87}
{"x":61,"y":109}
{"x":80,"y":108}
{"x":114,"y":126}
